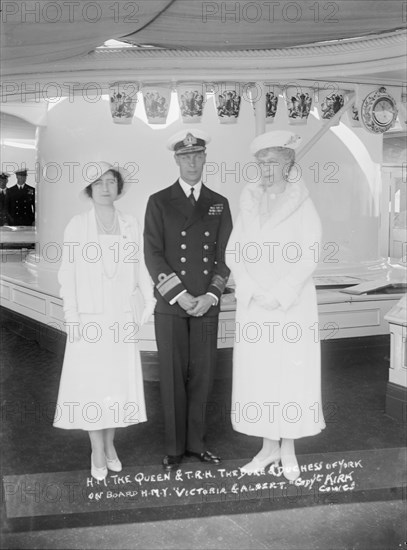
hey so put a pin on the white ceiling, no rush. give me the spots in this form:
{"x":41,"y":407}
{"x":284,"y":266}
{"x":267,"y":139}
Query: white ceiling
{"x":38,"y":31}
{"x":230,"y":25}
{"x":43,"y":39}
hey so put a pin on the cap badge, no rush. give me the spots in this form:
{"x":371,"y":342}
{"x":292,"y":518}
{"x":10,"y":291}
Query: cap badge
{"x":190,"y":140}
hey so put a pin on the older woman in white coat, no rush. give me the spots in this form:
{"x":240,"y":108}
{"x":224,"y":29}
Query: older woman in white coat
{"x":102,"y":268}
{"x":272,"y":255}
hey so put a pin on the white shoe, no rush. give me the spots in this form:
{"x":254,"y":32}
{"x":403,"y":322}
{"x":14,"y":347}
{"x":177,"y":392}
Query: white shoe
{"x":291,"y":469}
{"x":98,"y":473}
{"x":256,"y":465}
{"x":114,"y":464}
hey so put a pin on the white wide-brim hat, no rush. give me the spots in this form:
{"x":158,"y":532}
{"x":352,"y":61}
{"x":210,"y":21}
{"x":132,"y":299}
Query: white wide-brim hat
{"x":277,"y":138}
{"x":188,"y":141}
{"x":94,"y":170}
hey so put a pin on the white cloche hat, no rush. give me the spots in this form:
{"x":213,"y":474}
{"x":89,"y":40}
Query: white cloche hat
{"x":96,"y":169}
{"x":277,"y":138}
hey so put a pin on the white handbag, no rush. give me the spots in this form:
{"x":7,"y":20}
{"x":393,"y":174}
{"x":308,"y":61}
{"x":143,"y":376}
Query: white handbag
{"x":137,"y":305}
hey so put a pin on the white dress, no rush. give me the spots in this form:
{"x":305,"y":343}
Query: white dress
{"x":101,"y":383}
{"x":276,"y":365}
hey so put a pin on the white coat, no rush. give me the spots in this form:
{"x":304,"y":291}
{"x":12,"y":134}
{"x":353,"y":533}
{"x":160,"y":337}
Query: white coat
{"x":276,"y":366}
{"x":81,"y":271}
{"x":101,"y":374}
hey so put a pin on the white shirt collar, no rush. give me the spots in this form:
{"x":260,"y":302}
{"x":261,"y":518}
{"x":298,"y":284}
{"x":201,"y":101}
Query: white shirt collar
{"x":187,"y":188}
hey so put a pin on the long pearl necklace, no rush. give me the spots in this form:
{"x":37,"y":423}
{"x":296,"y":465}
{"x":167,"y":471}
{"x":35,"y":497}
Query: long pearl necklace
{"x":108,"y":230}
{"x":112,"y":230}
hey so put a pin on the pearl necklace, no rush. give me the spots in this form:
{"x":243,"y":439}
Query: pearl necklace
{"x":108,"y":230}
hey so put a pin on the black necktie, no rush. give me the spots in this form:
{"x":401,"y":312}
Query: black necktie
{"x":192,"y":197}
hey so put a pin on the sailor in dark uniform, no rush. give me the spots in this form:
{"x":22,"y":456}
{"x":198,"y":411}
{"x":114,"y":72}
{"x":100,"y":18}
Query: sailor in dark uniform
{"x":187,"y":227}
{"x":20,"y":201}
{"x":4,"y":217}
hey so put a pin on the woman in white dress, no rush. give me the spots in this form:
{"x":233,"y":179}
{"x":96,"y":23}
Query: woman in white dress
{"x":272,"y":254}
{"x":102,"y":267}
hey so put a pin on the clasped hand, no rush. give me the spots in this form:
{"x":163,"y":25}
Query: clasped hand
{"x":266,"y":301}
{"x":195,"y":305}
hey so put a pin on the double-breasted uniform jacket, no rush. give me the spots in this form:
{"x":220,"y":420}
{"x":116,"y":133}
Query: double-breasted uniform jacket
{"x":20,"y":204}
{"x":185,"y":245}
{"x":4,"y":217}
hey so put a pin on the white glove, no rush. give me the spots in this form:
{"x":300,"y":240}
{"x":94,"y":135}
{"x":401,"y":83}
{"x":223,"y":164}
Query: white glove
{"x":147,"y":313}
{"x":267,"y":300}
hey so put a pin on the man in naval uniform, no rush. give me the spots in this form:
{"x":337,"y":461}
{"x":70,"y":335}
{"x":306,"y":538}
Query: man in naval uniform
{"x":20,"y":201}
{"x":4,"y":217}
{"x":187,"y":227}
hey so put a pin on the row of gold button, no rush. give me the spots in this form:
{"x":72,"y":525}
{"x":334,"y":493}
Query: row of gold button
{"x":183,"y":259}
{"x":184,"y":246}
{"x":183,"y":233}
{"x":205,"y":272}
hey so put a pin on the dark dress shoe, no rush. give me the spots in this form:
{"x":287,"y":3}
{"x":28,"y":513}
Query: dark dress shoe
{"x":170,"y":462}
{"x":206,"y":456}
